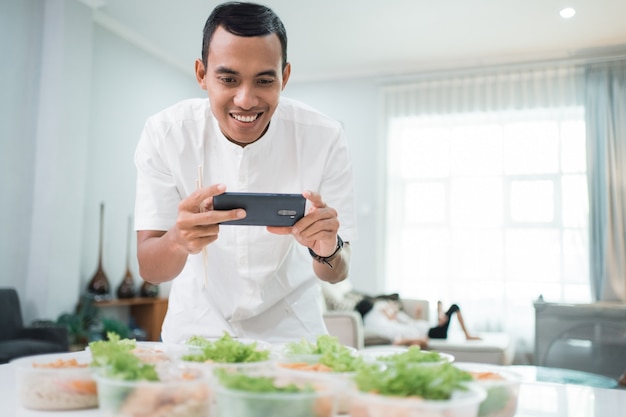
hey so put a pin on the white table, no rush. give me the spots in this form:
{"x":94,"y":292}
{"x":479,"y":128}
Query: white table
{"x":536,"y":400}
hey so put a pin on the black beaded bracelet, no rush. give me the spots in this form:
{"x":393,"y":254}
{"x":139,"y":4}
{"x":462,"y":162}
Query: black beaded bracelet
{"x":326,"y":259}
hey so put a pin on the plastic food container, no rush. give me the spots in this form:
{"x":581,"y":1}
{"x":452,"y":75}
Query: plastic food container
{"x":386,"y":355}
{"x":316,"y":397}
{"x":208,"y":368}
{"x":180,"y":391}
{"x":58,"y":381}
{"x":229,"y":361}
{"x":461,"y":404}
{"x":342,"y":380}
{"x":156,"y":352}
{"x":284,"y":355}
{"x":502,"y":387}
{"x":199,"y":342}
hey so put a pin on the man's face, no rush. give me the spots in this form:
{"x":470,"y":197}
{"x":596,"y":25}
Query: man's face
{"x":243,"y":78}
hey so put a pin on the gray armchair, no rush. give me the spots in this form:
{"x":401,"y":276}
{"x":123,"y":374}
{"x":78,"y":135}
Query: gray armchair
{"x":16,"y":340}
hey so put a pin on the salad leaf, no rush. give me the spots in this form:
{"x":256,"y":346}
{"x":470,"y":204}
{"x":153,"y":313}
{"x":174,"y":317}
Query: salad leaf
{"x":115,"y":359}
{"x":249,"y":383}
{"x":272,"y":399}
{"x":302,"y":347}
{"x":198,"y":341}
{"x":413,"y":355}
{"x":324,"y":344}
{"x":225,"y":350}
{"x":341,"y":361}
{"x":333,"y":354}
{"x":403,"y":380}
{"x":103,"y":350}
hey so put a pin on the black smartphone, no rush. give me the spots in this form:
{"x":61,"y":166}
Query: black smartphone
{"x":263,"y":209}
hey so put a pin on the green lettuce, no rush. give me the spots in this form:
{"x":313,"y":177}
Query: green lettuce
{"x":436,"y":382}
{"x":332,"y":353}
{"x":114,"y":358}
{"x":225,"y":350}
{"x":412,"y":355}
{"x":280,"y":399}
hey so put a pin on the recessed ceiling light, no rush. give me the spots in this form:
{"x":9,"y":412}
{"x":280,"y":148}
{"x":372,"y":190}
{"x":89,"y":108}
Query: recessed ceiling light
{"x":567,"y":13}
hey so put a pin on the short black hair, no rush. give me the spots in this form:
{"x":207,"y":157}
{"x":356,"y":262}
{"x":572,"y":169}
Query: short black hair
{"x":244,"y":19}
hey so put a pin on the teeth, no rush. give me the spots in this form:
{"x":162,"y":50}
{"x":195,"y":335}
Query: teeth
{"x":245,"y":119}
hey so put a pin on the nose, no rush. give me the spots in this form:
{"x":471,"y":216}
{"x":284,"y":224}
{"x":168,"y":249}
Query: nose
{"x":246,"y":97}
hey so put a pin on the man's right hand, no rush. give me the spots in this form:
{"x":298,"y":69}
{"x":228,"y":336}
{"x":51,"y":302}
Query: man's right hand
{"x":197,"y":224}
{"x":162,"y":255}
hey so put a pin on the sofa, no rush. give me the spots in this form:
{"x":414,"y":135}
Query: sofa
{"x":17,"y":340}
{"x":346,"y":324}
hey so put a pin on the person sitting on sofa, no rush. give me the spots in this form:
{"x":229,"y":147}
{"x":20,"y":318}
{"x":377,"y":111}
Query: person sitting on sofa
{"x":385,"y":318}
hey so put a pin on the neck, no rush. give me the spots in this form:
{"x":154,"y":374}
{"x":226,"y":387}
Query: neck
{"x":244,"y":144}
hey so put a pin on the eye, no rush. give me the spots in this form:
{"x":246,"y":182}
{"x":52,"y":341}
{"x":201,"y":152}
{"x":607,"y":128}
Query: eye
{"x":227,"y":80}
{"x":265,"y":81}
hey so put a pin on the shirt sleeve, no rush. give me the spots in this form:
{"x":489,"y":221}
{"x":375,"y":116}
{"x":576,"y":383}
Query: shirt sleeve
{"x":156,"y":197}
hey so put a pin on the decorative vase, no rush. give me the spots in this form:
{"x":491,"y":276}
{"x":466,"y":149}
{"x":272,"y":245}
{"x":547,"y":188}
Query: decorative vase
{"x":126,"y":289}
{"x":99,"y":284}
{"x":149,"y":290}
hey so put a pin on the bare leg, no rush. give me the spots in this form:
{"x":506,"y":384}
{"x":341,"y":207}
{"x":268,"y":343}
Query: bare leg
{"x":442,"y":318}
{"x":421,"y":342}
{"x":468,"y":336}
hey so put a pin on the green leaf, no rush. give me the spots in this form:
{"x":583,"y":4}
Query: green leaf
{"x":225,"y":350}
{"x":436,"y":382}
{"x":115,"y":359}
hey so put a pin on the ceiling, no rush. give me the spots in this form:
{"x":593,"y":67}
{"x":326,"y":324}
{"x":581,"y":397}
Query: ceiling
{"x":331,"y":39}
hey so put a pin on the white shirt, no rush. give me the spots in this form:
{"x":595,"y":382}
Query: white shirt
{"x":258,"y":285}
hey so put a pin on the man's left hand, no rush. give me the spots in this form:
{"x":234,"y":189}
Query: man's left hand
{"x":317,"y":229}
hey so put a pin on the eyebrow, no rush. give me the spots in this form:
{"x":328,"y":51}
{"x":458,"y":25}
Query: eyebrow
{"x":226,"y":70}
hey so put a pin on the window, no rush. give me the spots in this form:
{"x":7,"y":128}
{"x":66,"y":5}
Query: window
{"x":489,"y":210}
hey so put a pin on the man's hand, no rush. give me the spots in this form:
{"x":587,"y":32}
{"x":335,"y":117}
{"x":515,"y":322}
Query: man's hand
{"x":162,"y":255}
{"x":317,"y":229}
{"x":197,"y":224}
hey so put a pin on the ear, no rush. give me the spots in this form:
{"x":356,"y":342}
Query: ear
{"x":286,"y":74}
{"x":200,"y":74}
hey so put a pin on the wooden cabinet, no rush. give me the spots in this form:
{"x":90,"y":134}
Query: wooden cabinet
{"x":148,"y":313}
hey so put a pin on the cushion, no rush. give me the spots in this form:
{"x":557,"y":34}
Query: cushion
{"x":494,"y":348}
{"x":10,"y":314}
{"x":340,"y":296}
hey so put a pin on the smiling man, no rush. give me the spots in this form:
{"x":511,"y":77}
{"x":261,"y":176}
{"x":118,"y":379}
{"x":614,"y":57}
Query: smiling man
{"x":244,"y":77}
{"x":250,"y":281}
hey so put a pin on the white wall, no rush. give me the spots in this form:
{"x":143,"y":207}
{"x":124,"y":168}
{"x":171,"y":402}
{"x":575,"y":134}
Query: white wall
{"x":46,"y":136}
{"x":74,"y":100}
{"x":20,"y":43}
{"x":129,"y":85}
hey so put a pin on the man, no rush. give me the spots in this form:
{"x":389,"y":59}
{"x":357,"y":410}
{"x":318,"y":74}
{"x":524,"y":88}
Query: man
{"x":250,"y":281}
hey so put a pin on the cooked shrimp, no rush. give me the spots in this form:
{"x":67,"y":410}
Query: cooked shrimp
{"x":60,"y":363}
{"x":484,"y":376}
{"x":303,"y":366}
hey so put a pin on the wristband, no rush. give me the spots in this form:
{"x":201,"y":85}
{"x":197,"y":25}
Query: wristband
{"x":326,"y":259}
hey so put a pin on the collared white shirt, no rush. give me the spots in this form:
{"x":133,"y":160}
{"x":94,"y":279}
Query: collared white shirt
{"x":259,"y":285}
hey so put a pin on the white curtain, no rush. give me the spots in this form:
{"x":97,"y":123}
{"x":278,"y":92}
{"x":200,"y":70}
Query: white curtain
{"x":493,"y":91}
{"x":605,"y":105}
{"x":496,"y":94}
